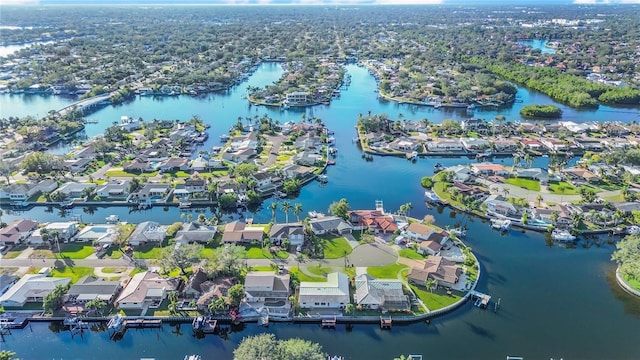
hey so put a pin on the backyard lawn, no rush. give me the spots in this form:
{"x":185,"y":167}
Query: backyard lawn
{"x":437,"y":299}
{"x":528,"y":184}
{"x":74,"y":273}
{"x":386,"y":272}
{"x":336,"y":248}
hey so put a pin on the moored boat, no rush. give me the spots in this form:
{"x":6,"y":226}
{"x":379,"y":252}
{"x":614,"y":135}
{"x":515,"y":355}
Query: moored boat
{"x":501,"y":224}
{"x":562,"y":235}
{"x":431,"y":197}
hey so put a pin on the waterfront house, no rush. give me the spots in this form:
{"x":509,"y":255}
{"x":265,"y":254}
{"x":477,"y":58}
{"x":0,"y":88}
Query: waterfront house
{"x":98,"y":234}
{"x":446,"y":273}
{"x":307,"y":158}
{"x":151,"y":192}
{"x":532,"y":144}
{"x":475,"y":144}
{"x":248,"y":141}
{"x":114,"y":190}
{"x":578,"y":128}
{"x":129,"y":124}
{"x":418,"y":232}
{"x":17,"y":232}
{"x":74,"y":190}
{"x":24,"y":191}
{"x":404,"y":144}
{"x":505,"y":145}
{"x":199,"y":164}
{"x":194,"y":232}
{"x":489,"y":169}
{"x":146,"y":290}
{"x":90,"y":287}
{"x":496,"y":205}
{"x":627,"y":207}
{"x":192,"y":288}
{"x":333,"y":293}
{"x":237,"y":232}
{"x":211,"y":290}
{"x":292,"y":231}
{"x":546,"y":216}
{"x":31,"y":288}
{"x":85,"y":152}
{"x":383,"y":294}
{"x":65,"y":230}
{"x":146,"y":232}
{"x":374,"y":220}
{"x":266,"y":181}
{"x":268,"y":289}
{"x":445,"y":145}
{"x":296,"y":171}
{"x":330,"y":224}
{"x":195,"y":185}
{"x":297,"y":97}
{"x":589,"y":144}
{"x":555,"y":145}
{"x":534,"y":173}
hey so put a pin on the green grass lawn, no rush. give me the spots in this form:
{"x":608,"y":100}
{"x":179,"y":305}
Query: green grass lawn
{"x":76,"y":251}
{"x":386,"y":272}
{"x":437,"y":299}
{"x":410,"y":254}
{"x":122,"y":173}
{"x":261,"y":268}
{"x":528,"y":184}
{"x":563,"y":188}
{"x":336,"y":248}
{"x":634,"y":283}
{"x":113,"y":270}
{"x":301,"y":276}
{"x":74,"y":273}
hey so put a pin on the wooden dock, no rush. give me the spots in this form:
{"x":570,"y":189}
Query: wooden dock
{"x":480,"y":300}
{"x":385,"y":323}
{"x":142,"y":323}
{"x":329,"y":323}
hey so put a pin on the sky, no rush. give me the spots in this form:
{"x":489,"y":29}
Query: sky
{"x":312,"y":2}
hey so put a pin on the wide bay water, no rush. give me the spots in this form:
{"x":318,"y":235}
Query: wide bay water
{"x":556,"y":302}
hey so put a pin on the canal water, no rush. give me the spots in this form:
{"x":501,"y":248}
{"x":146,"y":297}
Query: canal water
{"x":556,"y":302}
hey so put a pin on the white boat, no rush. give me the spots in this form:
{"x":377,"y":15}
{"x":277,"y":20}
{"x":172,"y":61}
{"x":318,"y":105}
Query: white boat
{"x":323,"y":178}
{"x":562,"y":235}
{"x":631,"y":230}
{"x":501,"y":224}
{"x":192,"y":357}
{"x":459,"y":232}
{"x":116,"y":323}
{"x":112,"y":219}
{"x":184,"y":204}
{"x":431,"y":196}
{"x":315,"y":214}
{"x":224,"y":137}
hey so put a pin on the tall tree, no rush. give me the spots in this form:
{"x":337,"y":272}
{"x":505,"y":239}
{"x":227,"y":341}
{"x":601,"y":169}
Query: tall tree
{"x":182,"y":256}
{"x":297,"y":209}
{"x":340,"y":208}
{"x":285,"y":206}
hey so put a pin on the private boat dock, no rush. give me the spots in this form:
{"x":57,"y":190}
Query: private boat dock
{"x":385,"y":323}
{"x":204,"y":325}
{"x":480,"y":300}
{"x":329,"y":323}
{"x":142,"y":323}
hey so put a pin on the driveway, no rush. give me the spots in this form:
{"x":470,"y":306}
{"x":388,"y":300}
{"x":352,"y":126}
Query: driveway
{"x":275,"y":141}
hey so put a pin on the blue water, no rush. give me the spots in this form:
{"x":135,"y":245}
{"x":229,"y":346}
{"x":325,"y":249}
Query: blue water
{"x":538,"y":44}
{"x":556,"y":302}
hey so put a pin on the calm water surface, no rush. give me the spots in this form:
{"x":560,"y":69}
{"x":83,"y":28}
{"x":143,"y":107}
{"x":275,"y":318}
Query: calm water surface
{"x":556,"y":302}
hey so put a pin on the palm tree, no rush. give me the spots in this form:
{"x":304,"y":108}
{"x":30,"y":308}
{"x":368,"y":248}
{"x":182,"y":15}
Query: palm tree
{"x":297,"y":209}
{"x":539,"y":199}
{"x":273,"y":207}
{"x":285,"y":209}
{"x":431,"y":284}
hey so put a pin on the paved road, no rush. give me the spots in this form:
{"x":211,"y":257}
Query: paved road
{"x":365,"y":255}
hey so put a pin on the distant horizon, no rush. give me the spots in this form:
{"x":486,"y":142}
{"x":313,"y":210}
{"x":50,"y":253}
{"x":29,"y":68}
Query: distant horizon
{"x":318,"y":2}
